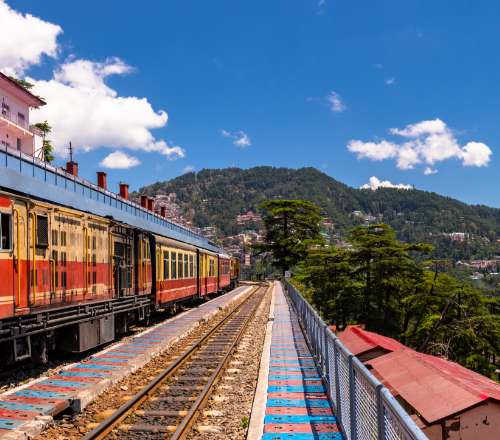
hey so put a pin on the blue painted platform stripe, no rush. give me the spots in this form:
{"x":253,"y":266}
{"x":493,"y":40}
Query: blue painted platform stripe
{"x":299,"y":419}
{"x":95,"y":367}
{"x":15,"y":406}
{"x":299,"y":403}
{"x":82,"y":374}
{"x":301,"y":436}
{"x":292,"y":369}
{"x":122,"y":353}
{"x":64,"y":383}
{"x":42,"y":394}
{"x":10,"y":423}
{"x":296,"y":389}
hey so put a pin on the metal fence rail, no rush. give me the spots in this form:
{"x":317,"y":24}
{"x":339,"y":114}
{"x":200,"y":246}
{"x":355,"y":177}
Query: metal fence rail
{"x":365,"y":409}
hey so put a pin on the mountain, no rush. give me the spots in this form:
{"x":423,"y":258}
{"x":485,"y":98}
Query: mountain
{"x":217,"y":196}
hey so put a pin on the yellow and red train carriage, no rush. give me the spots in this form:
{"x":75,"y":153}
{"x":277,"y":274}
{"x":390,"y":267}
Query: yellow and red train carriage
{"x":73,"y":279}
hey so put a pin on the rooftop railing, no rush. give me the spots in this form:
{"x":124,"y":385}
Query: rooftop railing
{"x":365,"y":408}
{"x":43,"y":172}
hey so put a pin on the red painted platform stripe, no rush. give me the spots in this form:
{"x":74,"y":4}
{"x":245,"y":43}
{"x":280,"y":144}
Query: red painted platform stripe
{"x":297,"y":396}
{"x":299,"y":411}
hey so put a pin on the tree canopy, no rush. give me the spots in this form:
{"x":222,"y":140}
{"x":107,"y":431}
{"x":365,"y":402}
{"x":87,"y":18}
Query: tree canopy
{"x":291,"y":227}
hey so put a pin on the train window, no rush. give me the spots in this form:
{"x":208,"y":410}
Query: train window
{"x":173,"y":266}
{"x":94,"y":242}
{"x":63,"y":258}
{"x":54,"y":237}
{"x":5,"y":231}
{"x":191,"y":266}
{"x":165,"y":265}
{"x":186,"y":266}
{"x":179,"y":266}
{"x":42,"y":231}
{"x":63,"y":280}
{"x":63,"y":238}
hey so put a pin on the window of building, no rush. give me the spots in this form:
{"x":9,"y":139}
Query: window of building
{"x":54,"y":237}
{"x":165,"y":265}
{"x":5,"y":231}
{"x":191,"y":266}
{"x":173,"y":266}
{"x":186,"y":266}
{"x":63,"y":258}
{"x":18,"y":144}
{"x":179,"y":266}
{"x":63,"y":238}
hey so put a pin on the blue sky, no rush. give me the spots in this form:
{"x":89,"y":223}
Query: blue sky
{"x":282,"y":83}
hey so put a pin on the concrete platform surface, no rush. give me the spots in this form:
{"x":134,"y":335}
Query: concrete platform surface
{"x":25,"y":411}
{"x":297,"y":405}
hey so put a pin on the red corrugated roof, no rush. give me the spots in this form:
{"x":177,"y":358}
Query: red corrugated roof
{"x":435,"y":387}
{"x":359,"y":341}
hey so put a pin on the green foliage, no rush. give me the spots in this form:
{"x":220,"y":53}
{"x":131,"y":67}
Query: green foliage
{"x":291,"y":227}
{"x":215,"y":197}
{"x":383,"y":283}
{"x":47,"y":147}
{"x":245,"y":422}
{"x":23,"y":83}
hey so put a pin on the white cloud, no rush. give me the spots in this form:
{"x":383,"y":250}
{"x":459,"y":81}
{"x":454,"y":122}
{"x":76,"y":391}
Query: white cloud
{"x":390,"y":81}
{"x":25,"y":39}
{"x":426,"y":142}
{"x":335,"y":102}
{"x":240,"y":138}
{"x":118,"y":160}
{"x":375,"y":183}
{"x":83,"y":109}
{"x":188,"y":169}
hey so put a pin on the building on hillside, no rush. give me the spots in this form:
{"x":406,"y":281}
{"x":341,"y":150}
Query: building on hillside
{"x":446,"y":400}
{"x":16,"y":132}
{"x":243,"y":219}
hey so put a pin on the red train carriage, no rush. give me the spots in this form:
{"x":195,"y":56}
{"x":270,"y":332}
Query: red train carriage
{"x":208,"y":282}
{"x":224,"y":275}
{"x":72,"y":279}
{"x":176,"y":271}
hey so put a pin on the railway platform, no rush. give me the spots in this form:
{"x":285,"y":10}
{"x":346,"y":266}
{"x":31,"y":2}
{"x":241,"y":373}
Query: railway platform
{"x":291,"y":401}
{"x":25,"y":411}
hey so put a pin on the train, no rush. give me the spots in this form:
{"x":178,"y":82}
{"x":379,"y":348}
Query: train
{"x":73,"y":280}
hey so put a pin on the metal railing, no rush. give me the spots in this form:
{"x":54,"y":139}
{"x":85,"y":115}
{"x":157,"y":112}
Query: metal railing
{"x":24,"y":164}
{"x":365,"y":408}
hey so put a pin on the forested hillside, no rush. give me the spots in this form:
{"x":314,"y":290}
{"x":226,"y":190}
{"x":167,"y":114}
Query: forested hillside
{"x":217,"y":196}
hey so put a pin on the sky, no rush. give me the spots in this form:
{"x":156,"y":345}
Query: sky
{"x":373,"y":93}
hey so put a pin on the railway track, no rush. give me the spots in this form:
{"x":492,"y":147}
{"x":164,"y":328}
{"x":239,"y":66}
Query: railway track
{"x":168,"y":406}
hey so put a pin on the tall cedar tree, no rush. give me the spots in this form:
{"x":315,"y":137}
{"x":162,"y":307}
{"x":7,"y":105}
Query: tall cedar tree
{"x":291,"y":227}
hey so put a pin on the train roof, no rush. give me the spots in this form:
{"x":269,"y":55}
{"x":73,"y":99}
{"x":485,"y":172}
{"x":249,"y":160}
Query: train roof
{"x":27,"y":175}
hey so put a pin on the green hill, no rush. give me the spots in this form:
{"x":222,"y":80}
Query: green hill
{"x":217,"y":196}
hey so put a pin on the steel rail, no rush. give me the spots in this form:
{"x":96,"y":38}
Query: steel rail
{"x":184,"y":427}
{"x":105,"y":427}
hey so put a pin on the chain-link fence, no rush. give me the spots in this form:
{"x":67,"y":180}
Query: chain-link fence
{"x":365,"y":409}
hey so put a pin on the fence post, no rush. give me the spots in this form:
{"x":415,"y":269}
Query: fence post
{"x":380,"y":413}
{"x":352,"y":400}
{"x":338,"y":409}
{"x":326,"y":350}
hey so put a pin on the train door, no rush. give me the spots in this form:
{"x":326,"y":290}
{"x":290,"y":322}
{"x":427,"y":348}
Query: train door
{"x":16,"y":234}
{"x":122,"y":268}
{"x":7,"y":286}
{"x":40,"y":279}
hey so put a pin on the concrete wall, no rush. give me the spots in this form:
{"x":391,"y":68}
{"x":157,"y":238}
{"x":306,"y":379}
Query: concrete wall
{"x":480,"y":422}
